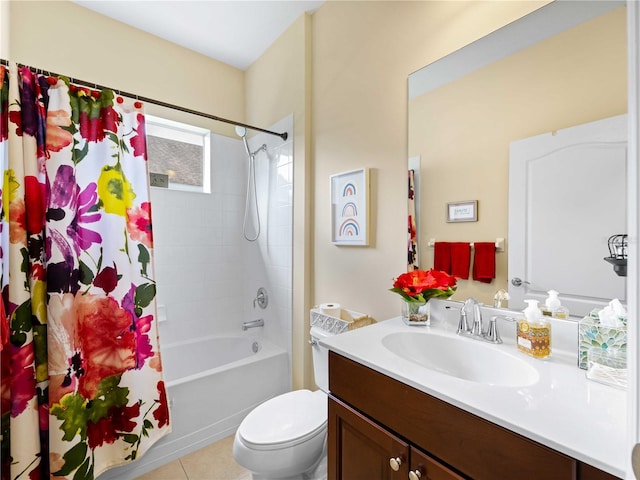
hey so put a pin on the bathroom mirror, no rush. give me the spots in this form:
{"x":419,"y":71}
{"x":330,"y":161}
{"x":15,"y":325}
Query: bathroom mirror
{"x":564,"y":65}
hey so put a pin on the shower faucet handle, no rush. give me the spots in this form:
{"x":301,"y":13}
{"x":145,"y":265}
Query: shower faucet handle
{"x":262,"y":299}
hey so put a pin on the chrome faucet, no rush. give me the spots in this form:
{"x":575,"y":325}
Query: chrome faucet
{"x":477,"y":329}
{"x":253,"y":323}
{"x":471,"y":305}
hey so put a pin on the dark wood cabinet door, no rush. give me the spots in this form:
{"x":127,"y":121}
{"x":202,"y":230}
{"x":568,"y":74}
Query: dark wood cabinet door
{"x":423,"y":467}
{"x":360,"y":449}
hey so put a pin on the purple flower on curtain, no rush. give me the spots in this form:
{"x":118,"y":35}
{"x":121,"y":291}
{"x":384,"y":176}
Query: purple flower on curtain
{"x":82,"y":237}
{"x":64,"y":193}
{"x":33,"y":113}
{"x":62,"y":276}
{"x":63,"y":188}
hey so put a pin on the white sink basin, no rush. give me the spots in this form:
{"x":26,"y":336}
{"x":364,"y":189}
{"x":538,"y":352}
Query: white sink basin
{"x":464,"y":358}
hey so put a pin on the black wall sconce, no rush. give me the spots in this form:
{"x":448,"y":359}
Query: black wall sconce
{"x":618,"y":254}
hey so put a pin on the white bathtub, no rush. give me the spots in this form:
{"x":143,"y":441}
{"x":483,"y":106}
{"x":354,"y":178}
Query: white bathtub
{"x":213,"y":383}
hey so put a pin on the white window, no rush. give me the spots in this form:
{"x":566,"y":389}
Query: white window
{"x":180,"y":151}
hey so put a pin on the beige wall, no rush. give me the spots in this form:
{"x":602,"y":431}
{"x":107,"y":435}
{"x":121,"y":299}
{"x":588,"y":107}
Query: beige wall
{"x":363,"y":52}
{"x":462,"y":130}
{"x":95,"y":48}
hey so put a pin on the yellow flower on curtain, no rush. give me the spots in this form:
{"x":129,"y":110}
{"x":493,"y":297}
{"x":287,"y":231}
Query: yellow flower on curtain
{"x":9,"y":187}
{"x":115,"y":192}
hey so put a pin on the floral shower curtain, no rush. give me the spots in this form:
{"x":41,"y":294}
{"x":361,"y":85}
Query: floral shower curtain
{"x":81,"y":378}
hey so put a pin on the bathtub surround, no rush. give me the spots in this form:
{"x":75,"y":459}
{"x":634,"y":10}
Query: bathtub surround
{"x":82,"y":386}
{"x":207,"y":274}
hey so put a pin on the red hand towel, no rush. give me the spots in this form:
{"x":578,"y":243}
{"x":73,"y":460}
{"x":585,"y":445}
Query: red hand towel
{"x":460,"y":259}
{"x":442,"y":257}
{"x":484,"y":261}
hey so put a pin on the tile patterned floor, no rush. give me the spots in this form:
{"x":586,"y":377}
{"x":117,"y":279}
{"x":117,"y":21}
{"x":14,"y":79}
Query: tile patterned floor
{"x":213,"y":462}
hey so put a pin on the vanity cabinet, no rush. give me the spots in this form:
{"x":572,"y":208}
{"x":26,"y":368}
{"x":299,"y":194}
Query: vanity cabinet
{"x":365,"y":450}
{"x":377,"y":423}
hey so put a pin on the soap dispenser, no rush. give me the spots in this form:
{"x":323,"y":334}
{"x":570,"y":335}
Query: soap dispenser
{"x":534,"y":332}
{"x":552,"y":306}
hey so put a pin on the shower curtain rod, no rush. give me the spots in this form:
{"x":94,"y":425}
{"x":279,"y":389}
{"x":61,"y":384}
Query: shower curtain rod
{"x":75,"y":81}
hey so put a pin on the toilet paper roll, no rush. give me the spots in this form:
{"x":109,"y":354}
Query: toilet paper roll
{"x":331,"y":309}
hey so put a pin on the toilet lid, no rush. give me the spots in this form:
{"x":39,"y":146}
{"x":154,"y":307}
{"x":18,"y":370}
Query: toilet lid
{"x":285,"y":420}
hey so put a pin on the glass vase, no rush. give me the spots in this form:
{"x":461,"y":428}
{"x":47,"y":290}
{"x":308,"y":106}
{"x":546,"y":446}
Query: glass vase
{"x":415,"y":313}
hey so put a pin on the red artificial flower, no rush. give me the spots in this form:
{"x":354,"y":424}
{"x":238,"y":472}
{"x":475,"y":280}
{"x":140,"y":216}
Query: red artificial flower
{"x":421,"y":285}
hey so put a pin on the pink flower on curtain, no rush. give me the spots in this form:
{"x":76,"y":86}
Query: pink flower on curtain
{"x":107,"y":343}
{"x":139,"y":224}
{"x":134,"y":301}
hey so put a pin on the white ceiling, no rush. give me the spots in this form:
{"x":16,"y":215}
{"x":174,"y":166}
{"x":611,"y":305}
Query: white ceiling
{"x":235,"y":32}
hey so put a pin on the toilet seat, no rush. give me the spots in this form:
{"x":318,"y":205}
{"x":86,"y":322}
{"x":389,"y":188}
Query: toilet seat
{"x":285,"y":421}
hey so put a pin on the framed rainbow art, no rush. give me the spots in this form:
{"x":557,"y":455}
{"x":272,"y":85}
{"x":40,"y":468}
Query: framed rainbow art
{"x":350,"y":207}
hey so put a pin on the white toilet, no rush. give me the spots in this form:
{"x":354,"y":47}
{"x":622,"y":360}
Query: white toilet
{"x":286,"y":436}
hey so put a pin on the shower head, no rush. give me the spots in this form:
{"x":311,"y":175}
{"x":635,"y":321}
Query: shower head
{"x":241,"y":131}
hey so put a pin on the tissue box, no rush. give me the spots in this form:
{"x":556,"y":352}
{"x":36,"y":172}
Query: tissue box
{"x":592,"y":335}
{"x":348,"y":320}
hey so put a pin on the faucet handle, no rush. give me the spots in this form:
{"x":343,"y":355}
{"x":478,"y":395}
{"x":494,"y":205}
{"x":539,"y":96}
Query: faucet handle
{"x":463,"y":324}
{"x":493,"y":335}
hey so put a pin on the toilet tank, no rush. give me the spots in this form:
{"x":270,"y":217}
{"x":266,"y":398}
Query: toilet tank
{"x":320,"y":358}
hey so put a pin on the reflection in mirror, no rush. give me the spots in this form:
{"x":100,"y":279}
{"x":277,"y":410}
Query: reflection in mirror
{"x":562,"y":66}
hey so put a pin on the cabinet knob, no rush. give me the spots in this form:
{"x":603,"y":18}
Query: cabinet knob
{"x":415,"y":475}
{"x":395,"y":463}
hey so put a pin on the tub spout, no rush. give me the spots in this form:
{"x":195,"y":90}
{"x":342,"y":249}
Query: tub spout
{"x":252,"y":324}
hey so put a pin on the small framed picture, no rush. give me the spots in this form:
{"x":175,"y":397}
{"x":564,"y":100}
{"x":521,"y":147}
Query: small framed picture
{"x":462,"y":211}
{"x":350,"y":208}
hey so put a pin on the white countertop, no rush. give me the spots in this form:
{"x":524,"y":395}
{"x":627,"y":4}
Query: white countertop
{"x":562,"y":410}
